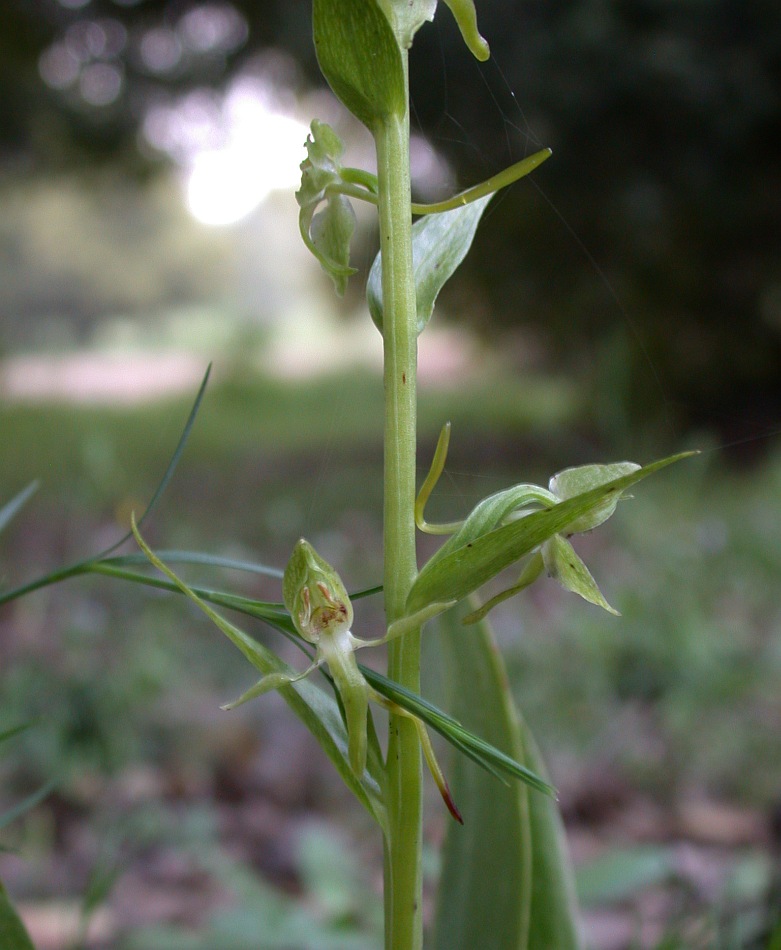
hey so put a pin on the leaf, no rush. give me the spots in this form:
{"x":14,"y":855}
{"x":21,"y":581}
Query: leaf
{"x":10,"y":508}
{"x":484,"y":897}
{"x":9,"y":733}
{"x":474,"y":747}
{"x":360,"y":58}
{"x":467,"y":565}
{"x":554,"y":919}
{"x":86,"y":565}
{"x":199,"y":557}
{"x":439,"y":243}
{"x":506,"y":881}
{"x":26,"y":804}
{"x":13,"y":935}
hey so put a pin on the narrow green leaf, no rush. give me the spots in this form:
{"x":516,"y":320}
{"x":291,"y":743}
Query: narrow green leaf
{"x":25,"y":805}
{"x":467,"y":565}
{"x":7,"y":734}
{"x":13,"y":935}
{"x":506,"y":880}
{"x":10,"y":508}
{"x":85,"y":565}
{"x":198,"y":557}
{"x":439,"y":243}
{"x":473,"y":746}
{"x":360,"y":58}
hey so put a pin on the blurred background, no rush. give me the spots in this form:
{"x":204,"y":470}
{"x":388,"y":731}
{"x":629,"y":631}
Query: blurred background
{"x":624,"y":302}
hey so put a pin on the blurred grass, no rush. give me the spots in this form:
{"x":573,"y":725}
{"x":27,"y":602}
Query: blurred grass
{"x":678,"y":697}
{"x":693,"y":562}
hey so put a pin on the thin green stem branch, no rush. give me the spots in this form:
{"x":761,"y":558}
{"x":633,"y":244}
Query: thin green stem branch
{"x":403,"y":876}
{"x":362,"y":185}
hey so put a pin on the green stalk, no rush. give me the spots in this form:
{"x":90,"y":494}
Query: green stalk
{"x":403,"y":877}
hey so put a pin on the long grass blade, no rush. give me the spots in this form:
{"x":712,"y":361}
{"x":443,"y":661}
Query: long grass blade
{"x":10,"y":508}
{"x":84,"y":565}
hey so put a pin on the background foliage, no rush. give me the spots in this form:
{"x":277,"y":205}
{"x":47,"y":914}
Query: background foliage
{"x":664,"y":119}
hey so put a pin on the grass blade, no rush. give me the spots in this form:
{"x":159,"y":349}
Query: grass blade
{"x":81,"y":567}
{"x":10,"y":508}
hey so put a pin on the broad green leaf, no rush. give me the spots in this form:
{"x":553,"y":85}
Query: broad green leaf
{"x":466,"y":567}
{"x":466,"y":17}
{"x":564,"y":565}
{"x":439,"y":243}
{"x":360,"y":58}
{"x":555,"y":917}
{"x":13,"y":935}
{"x":10,"y":508}
{"x":484,"y":897}
{"x":506,"y":881}
{"x":407,"y":17}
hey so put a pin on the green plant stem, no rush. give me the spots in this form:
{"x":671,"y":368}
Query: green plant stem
{"x":403,"y":876}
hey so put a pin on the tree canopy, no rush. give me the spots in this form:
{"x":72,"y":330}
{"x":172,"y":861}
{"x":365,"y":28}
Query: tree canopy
{"x":653,"y":231}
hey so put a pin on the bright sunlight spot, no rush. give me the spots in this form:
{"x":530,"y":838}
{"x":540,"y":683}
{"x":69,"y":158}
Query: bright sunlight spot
{"x":225,"y":185}
{"x":234,"y":148}
{"x":263,"y":152}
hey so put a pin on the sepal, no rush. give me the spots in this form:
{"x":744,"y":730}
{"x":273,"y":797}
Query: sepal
{"x":326,"y":231}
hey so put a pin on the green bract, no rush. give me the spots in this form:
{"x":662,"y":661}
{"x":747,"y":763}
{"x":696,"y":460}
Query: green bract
{"x":360,"y":58}
{"x":439,"y":243}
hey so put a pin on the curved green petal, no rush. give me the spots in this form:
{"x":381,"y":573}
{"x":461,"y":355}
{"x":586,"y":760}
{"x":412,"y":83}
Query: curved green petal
{"x":466,"y":18}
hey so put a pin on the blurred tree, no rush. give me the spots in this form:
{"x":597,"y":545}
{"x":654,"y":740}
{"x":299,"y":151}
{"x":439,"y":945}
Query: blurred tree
{"x":664,"y":117}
